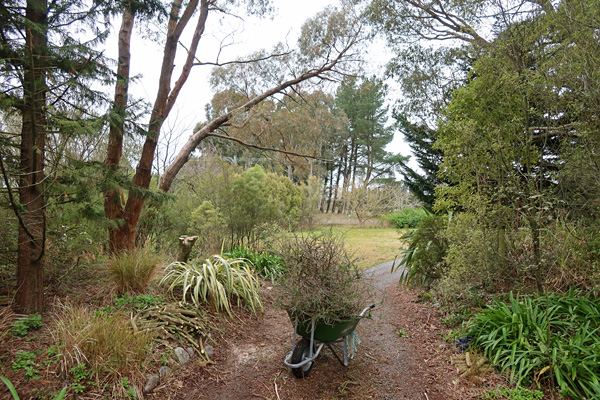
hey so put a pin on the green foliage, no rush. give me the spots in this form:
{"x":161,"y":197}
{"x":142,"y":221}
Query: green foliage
{"x":226,"y":207}
{"x":80,"y":374}
{"x":208,"y":223}
{"x":24,"y":324}
{"x":216,"y":281}
{"x":472,"y":261}
{"x":25,"y":360}
{"x":268,"y":266}
{"x":423,"y":260}
{"x":402,"y":333}
{"x":138,"y":302}
{"x":545,"y":337}
{"x":513,"y":394}
{"x":407,"y":218}
{"x":322,"y":283}
{"x":60,"y":396}
{"x":311,"y":200}
{"x":132,"y":270}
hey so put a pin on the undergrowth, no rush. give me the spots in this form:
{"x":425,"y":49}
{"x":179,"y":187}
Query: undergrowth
{"x":546,"y":337}
{"x":104,"y":345}
{"x":268,"y":266}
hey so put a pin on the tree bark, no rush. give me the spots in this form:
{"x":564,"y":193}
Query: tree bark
{"x":124,"y":236}
{"x":29,"y":297}
{"x":113,"y":201}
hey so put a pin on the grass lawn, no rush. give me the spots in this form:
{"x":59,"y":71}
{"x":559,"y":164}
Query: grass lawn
{"x":370,"y":246}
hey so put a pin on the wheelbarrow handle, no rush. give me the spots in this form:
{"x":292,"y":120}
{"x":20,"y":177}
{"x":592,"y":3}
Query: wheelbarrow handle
{"x":363,"y":312}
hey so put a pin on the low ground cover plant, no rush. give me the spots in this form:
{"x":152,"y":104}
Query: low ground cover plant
{"x":322,"y":283}
{"x":24,"y":324}
{"x":217,"y":281}
{"x":267,"y":265}
{"x":545,"y":337}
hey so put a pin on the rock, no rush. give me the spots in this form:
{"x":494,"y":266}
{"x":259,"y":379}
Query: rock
{"x":151,"y":383}
{"x":208,"y":350}
{"x":164,"y":371}
{"x":190,"y":351}
{"x":182,"y":355}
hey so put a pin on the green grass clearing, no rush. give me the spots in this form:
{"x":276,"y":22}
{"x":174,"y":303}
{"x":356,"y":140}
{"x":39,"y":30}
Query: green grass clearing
{"x":370,"y":246}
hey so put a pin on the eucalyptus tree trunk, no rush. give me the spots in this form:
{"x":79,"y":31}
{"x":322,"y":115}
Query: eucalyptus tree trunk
{"x":29,"y":297}
{"x":127,"y":213}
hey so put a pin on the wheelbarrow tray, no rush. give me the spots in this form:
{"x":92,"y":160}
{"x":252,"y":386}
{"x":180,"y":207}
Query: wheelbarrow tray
{"x":328,"y":332}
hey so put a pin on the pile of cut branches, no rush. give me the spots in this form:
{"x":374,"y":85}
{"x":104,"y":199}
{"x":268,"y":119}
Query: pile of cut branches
{"x":323,"y":283}
{"x":181,"y":322}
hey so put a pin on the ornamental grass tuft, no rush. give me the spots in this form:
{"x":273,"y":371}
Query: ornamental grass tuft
{"x":217,"y":281}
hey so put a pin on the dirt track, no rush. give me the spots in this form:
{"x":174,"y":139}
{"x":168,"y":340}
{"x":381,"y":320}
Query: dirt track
{"x":249,"y":357}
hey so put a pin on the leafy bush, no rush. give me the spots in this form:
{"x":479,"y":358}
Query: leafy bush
{"x":208,"y":223}
{"x":216,"y":281}
{"x":131,"y":271}
{"x":322,"y":282}
{"x":424,"y":257}
{"x":23,"y":325}
{"x":570,"y":255}
{"x":269,"y":266}
{"x":406,"y":218}
{"x":546,"y":337}
{"x":106,"y":344}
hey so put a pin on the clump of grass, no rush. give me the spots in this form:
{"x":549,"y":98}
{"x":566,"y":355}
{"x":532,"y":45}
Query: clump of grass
{"x":6,"y":319}
{"x":322,"y":283}
{"x":132,"y":270}
{"x":106,"y":344}
{"x":217,"y":281}
{"x":550,"y":336}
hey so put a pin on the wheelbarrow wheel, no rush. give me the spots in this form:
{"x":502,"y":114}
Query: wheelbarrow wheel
{"x":301,"y":353}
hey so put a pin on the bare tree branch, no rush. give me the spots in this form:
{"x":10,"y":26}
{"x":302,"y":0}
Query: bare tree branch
{"x":255,"y":146}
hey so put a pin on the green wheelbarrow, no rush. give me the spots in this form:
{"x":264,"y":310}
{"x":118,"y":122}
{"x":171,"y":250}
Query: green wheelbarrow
{"x":314,"y":336}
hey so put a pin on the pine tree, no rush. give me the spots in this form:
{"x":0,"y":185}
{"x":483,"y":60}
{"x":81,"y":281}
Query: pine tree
{"x":421,"y":139}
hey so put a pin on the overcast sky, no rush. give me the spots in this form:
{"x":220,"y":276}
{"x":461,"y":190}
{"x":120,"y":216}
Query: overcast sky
{"x":250,"y":35}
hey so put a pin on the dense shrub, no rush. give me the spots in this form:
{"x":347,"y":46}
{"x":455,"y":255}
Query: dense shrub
{"x":406,"y":218}
{"x":423,"y":260}
{"x":547,"y":337}
{"x":570,"y":255}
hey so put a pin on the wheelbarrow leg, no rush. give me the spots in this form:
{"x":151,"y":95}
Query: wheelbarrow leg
{"x":345,"y":351}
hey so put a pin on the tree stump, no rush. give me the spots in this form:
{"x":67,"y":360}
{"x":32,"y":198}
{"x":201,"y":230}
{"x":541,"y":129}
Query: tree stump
{"x":185,"y":247}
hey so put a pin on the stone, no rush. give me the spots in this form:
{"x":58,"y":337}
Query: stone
{"x":164,"y":371}
{"x":182,"y":355}
{"x":151,"y":383}
{"x":190,"y":351}
{"x":208,"y":350}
